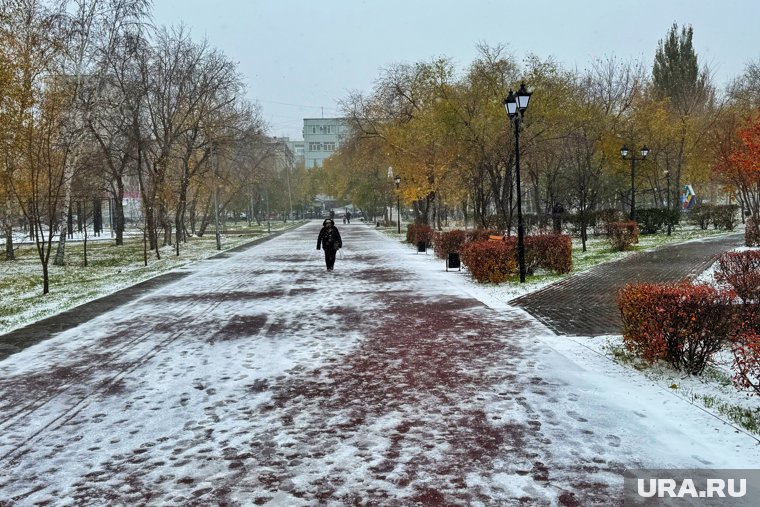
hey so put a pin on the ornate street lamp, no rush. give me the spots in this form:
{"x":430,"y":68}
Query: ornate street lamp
{"x":624,"y":153}
{"x":516,"y":104}
{"x":398,"y":204}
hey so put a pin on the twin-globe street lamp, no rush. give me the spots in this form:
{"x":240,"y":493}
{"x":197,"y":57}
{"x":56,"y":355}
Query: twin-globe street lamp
{"x":624,"y":153}
{"x":516,"y":104}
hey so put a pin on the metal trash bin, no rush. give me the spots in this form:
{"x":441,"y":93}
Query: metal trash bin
{"x":453,"y":261}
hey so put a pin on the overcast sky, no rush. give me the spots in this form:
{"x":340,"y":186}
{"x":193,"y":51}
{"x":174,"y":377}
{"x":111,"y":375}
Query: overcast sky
{"x":300,"y":57}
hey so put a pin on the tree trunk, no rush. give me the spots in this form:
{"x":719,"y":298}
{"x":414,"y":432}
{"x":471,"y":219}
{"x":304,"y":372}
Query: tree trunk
{"x":85,"y":244}
{"x":68,"y":177}
{"x":45,"y":279}
{"x":150,"y":226}
{"x":60,"y":251}
{"x":179,"y":217}
{"x":119,"y":223}
{"x":8,"y":229}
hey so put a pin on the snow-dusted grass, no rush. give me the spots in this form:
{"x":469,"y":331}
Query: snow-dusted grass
{"x":109,"y":268}
{"x":598,"y":251}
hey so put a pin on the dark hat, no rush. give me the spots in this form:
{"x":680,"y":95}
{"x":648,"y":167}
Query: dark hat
{"x":328,"y":221}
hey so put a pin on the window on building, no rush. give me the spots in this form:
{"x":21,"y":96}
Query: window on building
{"x":313,"y":129}
{"x":329,"y":146}
{"x":328,"y":129}
{"x":314,"y":147}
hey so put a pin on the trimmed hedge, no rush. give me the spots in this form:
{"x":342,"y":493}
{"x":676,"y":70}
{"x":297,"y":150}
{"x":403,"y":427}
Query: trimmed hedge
{"x":490,"y":261}
{"x":721,"y":216}
{"x":480,"y":234}
{"x":682,"y":324}
{"x":553,"y":252}
{"x":746,"y":348}
{"x":653,"y":220}
{"x":416,"y":233}
{"x":448,"y":242}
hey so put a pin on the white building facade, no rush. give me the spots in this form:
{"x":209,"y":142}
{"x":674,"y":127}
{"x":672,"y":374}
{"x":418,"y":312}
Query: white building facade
{"x":321,"y":138}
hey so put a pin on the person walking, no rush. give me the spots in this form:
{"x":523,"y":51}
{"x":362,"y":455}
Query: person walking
{"x":329,"y":240}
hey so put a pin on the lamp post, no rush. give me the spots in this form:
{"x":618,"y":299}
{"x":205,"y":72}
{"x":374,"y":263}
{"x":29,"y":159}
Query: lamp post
{"x":667,"y":180}
{"x":624,"y":153}
{"x":215,"y":163}
{"x":516,"y":104}
{"x":269,"y":225}
{"x":397,"y":179}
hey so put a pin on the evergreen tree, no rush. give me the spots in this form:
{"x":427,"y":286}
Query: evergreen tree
{"x":676,"y":73}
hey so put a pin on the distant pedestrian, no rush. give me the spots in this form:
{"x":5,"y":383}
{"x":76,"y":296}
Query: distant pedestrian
{"x":329,"y":240}
{"x":348,"y":217}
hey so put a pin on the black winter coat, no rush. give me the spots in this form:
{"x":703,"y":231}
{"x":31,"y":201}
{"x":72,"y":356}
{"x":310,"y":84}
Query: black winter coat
{"x":329,"y":238}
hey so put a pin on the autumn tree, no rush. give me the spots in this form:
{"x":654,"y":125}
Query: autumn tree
{"x":358,"y":173}
{"x":685,"y":86}
{"x":742,"y":166}
{"x":478,"y":129}
{"x":406,"y":113}
{"x":9,"y":93}
{"x":33,"y":161}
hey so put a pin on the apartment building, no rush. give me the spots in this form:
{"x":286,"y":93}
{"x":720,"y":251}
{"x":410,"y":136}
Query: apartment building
{"x":296,"y":149}
{"x":321,"y":138}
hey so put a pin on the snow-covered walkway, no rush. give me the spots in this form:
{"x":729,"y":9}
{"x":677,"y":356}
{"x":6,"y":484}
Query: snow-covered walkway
{"x":261,"y":379}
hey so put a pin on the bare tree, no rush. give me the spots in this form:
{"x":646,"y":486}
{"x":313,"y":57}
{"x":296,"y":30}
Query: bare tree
{"x":93,"y":30}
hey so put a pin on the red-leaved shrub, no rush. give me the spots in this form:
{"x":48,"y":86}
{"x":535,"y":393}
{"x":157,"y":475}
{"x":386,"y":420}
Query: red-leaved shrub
{"x":553,"y":252}
{"x":682,"y":324}
{"x":623,"y":235}
{"x":418,"y":232}
{"x":448,"y":242}
{"x":752,"y":232}
{"x":490,"y":261}
{"x":741,"y":270}
{"x":746,"y":351}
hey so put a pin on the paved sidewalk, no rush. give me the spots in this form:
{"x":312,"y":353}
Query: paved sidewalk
{"x":261,"y":379}
{"x":585,"y":304}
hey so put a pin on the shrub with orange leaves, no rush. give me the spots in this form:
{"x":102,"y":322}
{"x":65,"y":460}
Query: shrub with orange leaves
{"x":746,"y":351}
{"x":490,"y":261}
{"x":448,"y":242}
{"x":553,"y":252}
{"x":682,"y":324}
